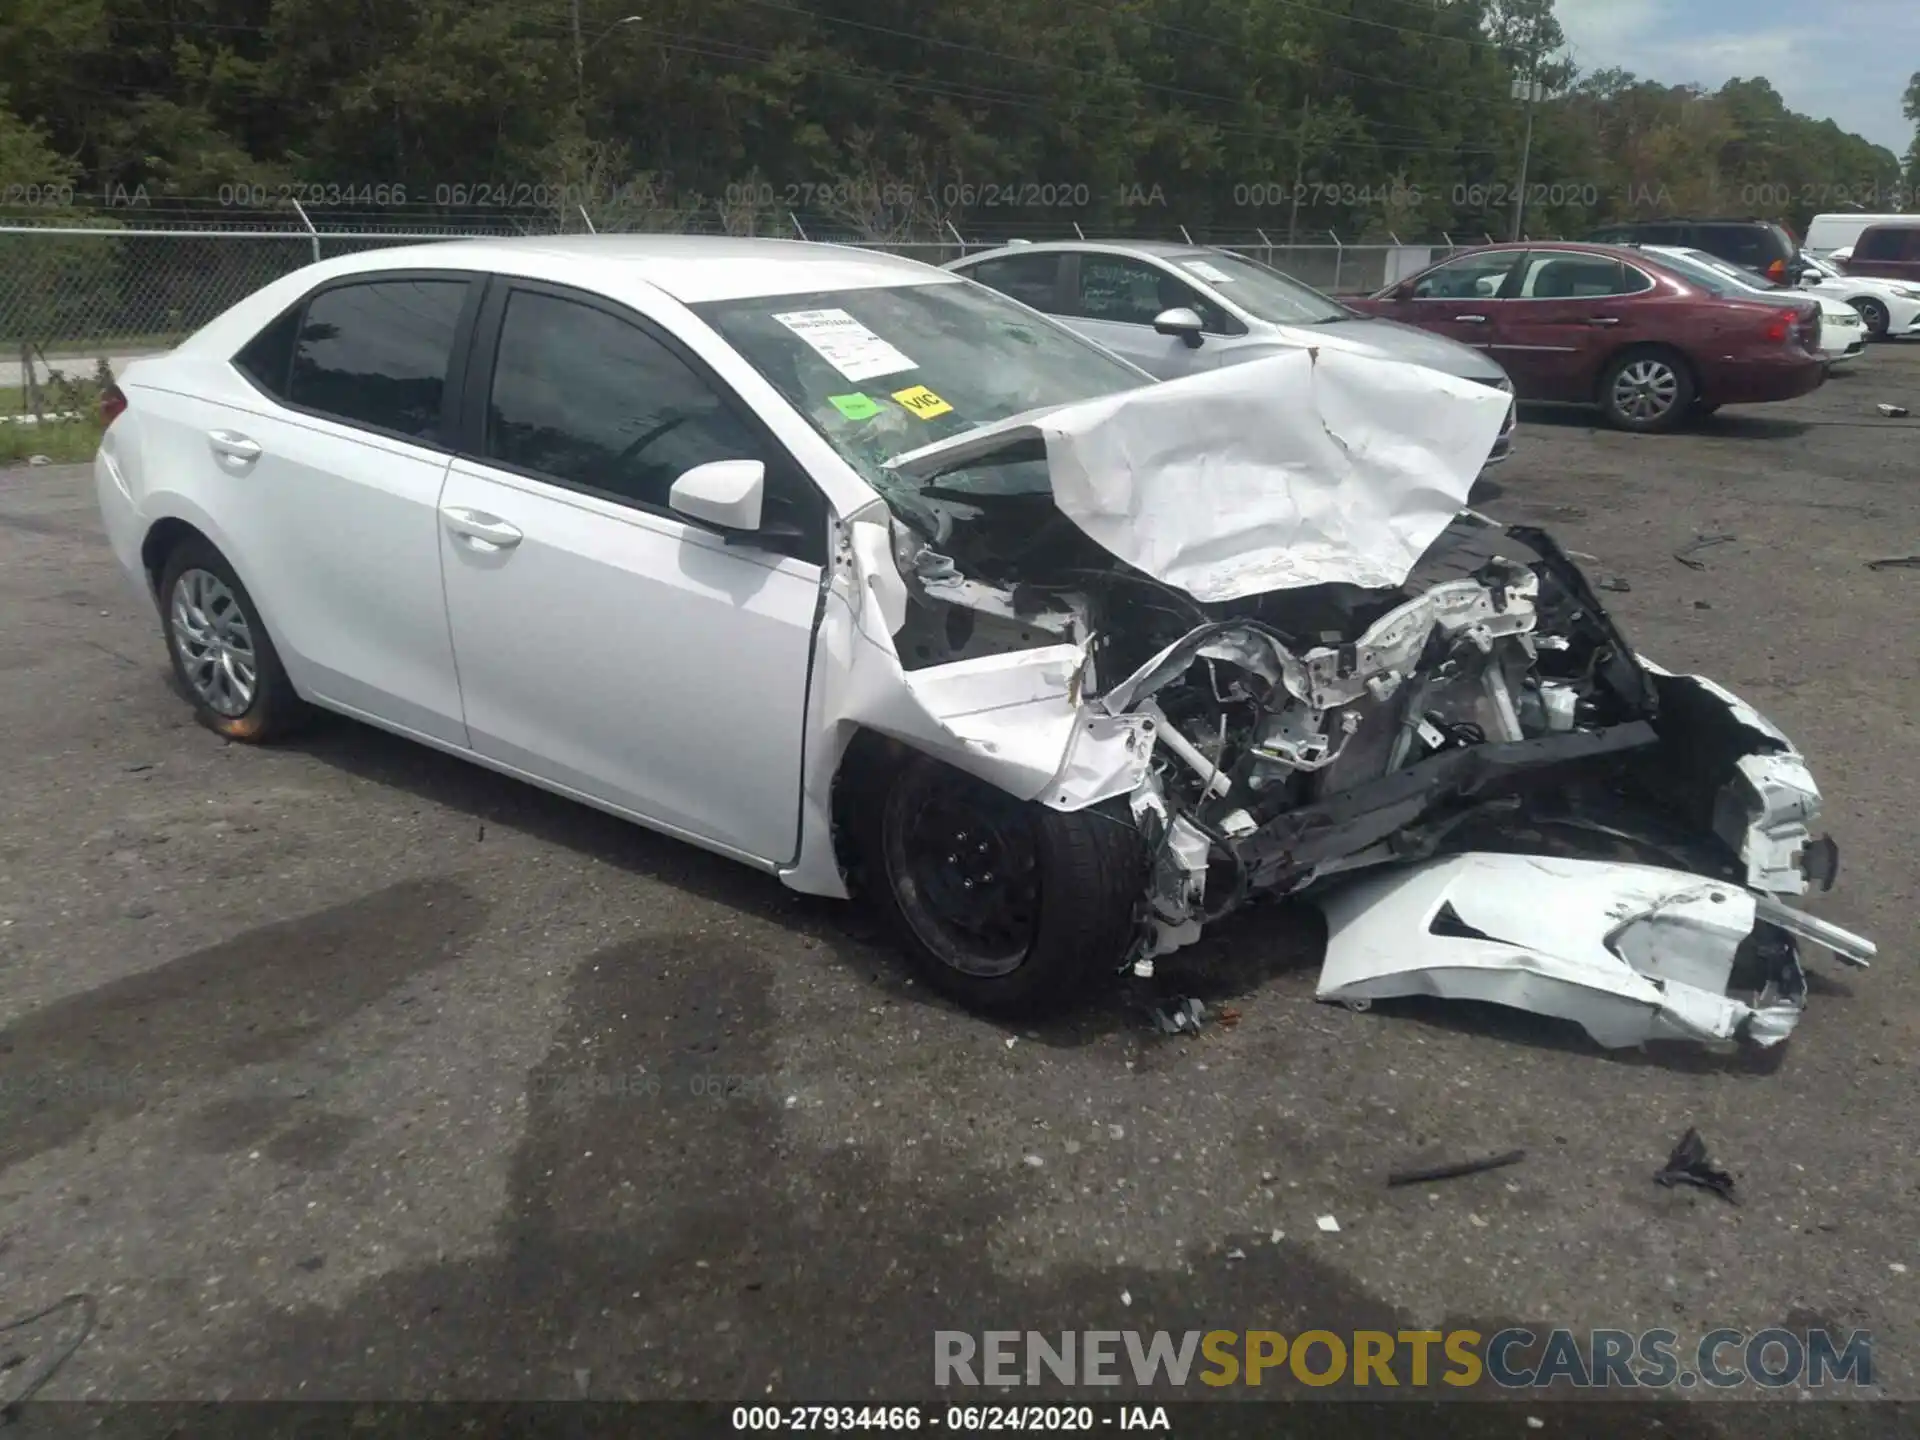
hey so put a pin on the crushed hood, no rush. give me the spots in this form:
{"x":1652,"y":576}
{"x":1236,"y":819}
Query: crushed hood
{"x":1309,"y":468}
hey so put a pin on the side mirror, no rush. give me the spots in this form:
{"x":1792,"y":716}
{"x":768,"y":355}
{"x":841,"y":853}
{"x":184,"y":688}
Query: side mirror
{"x":1183,"y":322}
{"x":725,"y":493}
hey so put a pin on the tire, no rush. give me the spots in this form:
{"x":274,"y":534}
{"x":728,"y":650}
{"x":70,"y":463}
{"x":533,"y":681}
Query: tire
{"x":1064,"y":887}
{"x":211,"y":627}
{"x":1647,"y":391}
{"x":1875,"y":314}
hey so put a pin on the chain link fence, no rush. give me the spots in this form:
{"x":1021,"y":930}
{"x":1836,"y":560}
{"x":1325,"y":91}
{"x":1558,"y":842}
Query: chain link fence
{"x":71,"y":297}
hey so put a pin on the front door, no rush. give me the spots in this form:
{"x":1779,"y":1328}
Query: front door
{"x":1457,"y":299}
{"x":605,"y":644}
{"x":1115,"y":300}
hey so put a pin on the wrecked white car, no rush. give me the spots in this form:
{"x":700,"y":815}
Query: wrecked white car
{"x":868,"y":576}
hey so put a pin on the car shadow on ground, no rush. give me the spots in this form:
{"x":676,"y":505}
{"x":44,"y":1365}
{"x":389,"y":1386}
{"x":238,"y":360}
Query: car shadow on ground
{"x":1235,"y":959}
{"x":1741,"y":423}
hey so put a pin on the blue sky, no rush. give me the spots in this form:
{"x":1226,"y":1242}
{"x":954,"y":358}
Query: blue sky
{"x":1847,"y":59}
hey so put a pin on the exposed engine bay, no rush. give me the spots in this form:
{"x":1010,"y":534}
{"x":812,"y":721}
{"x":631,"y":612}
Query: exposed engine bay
{"x":1271,"y":736}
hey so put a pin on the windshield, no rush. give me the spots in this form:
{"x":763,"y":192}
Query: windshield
{"x":1710,"y":278}
{"x":880,"y":372}
{"x":1263,"y":293}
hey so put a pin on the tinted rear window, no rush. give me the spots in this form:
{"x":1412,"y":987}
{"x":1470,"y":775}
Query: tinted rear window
{"x":376,"y":354}
{"x":1030,"y":279}
{"x":1888,"y":242}
{"x":1750,"y":245}
{"x":268,"y":357}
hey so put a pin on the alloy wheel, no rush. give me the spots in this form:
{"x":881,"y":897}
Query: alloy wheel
{"x":1645,"y":389}
{"x":214,"y":640}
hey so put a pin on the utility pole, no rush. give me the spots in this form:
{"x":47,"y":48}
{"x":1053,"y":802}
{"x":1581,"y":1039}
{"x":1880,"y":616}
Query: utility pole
{"x":579,"y":63}
{"x":1299,"y":172}
{"x":1527,"y":86}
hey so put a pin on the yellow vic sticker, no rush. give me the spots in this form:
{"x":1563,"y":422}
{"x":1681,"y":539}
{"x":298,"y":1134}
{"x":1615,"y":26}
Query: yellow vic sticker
{"x":922,"y":402}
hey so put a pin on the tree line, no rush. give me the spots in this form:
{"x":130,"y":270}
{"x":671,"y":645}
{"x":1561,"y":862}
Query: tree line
{"x":887,"y":119}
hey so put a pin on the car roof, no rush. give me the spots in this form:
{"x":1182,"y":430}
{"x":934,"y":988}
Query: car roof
{"x":1159,"y":249}
{"x":690,"y":268}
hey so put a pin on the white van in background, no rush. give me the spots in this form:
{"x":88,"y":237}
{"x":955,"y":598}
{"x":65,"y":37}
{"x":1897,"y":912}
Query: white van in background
{"x":1828,"y":233}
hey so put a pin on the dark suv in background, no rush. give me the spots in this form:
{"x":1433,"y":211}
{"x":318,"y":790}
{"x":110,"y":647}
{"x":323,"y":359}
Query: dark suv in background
{"x":1757,"y":245}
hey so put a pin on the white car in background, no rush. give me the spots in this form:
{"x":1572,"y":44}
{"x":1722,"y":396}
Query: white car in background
{"x":1843,"y":330}
{"x":1891,"y":308}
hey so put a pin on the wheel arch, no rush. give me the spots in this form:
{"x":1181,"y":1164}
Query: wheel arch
{"x":1647,"y":347}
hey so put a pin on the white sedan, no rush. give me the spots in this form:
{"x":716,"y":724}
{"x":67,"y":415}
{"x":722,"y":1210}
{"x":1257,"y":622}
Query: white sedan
{"x":870,"y":577}
{"x":1843,"y":329}
{"x":1891,"y":308}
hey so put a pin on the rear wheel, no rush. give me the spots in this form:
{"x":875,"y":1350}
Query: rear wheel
{"x":1007,"y":906}
{"x":1875,"y":314}
{"x":222,"y":655}
{"x":1647,"y":391}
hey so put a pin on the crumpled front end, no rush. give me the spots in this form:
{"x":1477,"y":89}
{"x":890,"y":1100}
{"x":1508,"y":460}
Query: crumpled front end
{"x":1294,"y":663}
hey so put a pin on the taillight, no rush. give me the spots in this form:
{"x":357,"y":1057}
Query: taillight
{"x":1777,"y":272}
{"x":1779,"y":329}
{"x":112,"y":404}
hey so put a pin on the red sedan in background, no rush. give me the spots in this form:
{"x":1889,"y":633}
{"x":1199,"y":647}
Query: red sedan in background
{"x":1610,"y":326}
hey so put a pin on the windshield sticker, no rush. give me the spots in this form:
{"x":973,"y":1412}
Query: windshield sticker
{"x":922,"y":402}
{"x":1213,"y":274}
{"x":844,"y":343}
{"x":856,"y":406}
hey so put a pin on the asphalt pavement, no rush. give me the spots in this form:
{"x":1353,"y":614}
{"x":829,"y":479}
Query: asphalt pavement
{"x":347,"y":1069}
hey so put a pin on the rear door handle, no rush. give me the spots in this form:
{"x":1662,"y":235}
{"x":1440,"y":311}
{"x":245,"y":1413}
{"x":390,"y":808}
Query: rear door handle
{"x":481,"y":530}
{"x":233,"y":445}
{"x":1470,"y":319}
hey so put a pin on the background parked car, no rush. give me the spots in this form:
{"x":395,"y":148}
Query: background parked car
{"x":1891,"y":308}
{"x":1176,"y":309}
{"x":1613,"y":327}
{"x":1843,"y":333}
{"x":1757,"y":245}
{"x":1828,"y":233}
{"x":1890,"y":251}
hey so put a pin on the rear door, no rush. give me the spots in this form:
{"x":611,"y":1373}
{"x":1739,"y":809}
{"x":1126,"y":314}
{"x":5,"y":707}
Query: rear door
{"x":327,"y":484}
{"x":1114,"y":299}
{"x":1569,"y":311}
{"x":607,"y":645}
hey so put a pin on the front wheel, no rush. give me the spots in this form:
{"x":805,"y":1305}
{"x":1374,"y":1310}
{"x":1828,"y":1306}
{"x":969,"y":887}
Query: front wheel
{"x":1007,"y":906}
{"x":1646,"y":391}
{"x":1875,"y":314}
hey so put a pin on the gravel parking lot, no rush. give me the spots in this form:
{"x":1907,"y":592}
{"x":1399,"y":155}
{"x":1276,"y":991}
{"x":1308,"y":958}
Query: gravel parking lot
{"x":310,"y":1057}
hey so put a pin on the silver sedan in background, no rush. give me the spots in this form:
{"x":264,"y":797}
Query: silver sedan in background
{"x":1175,"y":309}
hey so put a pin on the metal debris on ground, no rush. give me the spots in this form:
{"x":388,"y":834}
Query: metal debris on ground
{"x":1456,"y":1169}
{"x":1328,"y":1224}
{"x":1614,"y":583}
{"x":1700,"y":542}
{"x":1894,"y":412}
{"x":1689,"y":1165}
{"x":1183,"y":1017}
{"x":1897,"y":562}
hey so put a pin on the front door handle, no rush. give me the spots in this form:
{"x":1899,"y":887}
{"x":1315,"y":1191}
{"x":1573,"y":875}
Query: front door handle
{"x":481,"y":530}
{"x":1470,"y":319}
{"x":233,"y":445}
{"x":1603,"y":320}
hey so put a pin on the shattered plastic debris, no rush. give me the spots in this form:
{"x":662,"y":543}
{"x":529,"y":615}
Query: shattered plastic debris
{"x":1183,"y":1017}
{"x":1689,"y":1165}
{"x":1894,"y":412}
{"x":1686,"y":552}
{"x":1327,"y":1223}
{"x":1454,"y":1171}
{"x":1897,"y":562}
{"x":1614,"y":583}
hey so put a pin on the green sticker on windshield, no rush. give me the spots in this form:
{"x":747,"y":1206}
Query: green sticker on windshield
{"x":855,"y":407}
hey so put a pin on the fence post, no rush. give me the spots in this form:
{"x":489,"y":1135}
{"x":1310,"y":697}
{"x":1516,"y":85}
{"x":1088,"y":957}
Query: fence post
{"x":588,"y":218}
{"x":1339,"y":254}
{"x":1266,"y":242}
{"x":299,"y":210}
{"x":1184,"y":236}
{"x":1078,"y":232}
{"x":796,"y":225}
{"x":953,"y":230}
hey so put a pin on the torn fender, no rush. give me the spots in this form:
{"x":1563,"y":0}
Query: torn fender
{"x":1630,"y":953}
{"x":1019,"y":721}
